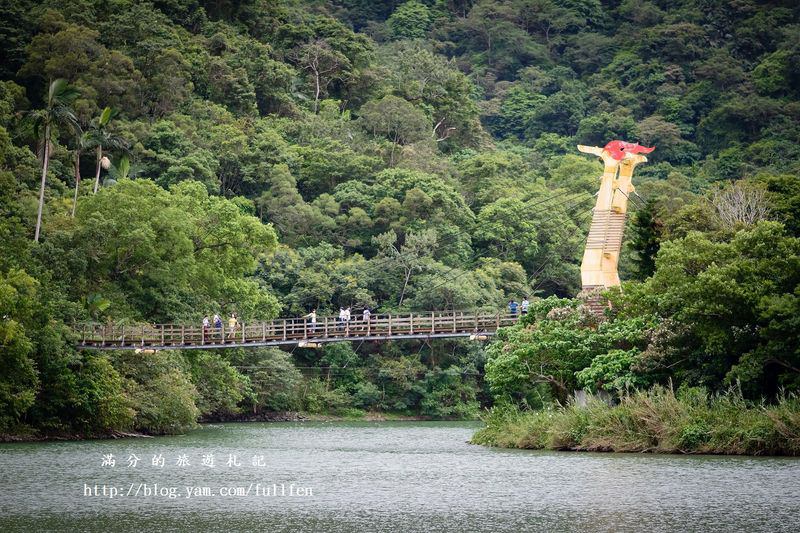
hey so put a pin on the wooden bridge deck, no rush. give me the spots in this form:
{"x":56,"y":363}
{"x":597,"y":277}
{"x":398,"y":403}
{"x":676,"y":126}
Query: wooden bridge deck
{"x":289,"y":331}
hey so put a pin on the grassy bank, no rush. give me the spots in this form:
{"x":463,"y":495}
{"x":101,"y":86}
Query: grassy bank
{"x":657,"y":420}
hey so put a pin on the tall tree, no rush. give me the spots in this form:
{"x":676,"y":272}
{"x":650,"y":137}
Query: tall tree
{"x":82,"y":142}
{"x":409,"y":256}
{"x":57,"y":112}
{"x":646,"y":239}
{"x":395,"y":118}
{"x":324,"y":64}
{"x":101,"y":138}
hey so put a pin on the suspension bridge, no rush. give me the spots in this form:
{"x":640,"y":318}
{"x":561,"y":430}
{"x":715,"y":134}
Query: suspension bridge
{"x":477,"y":325}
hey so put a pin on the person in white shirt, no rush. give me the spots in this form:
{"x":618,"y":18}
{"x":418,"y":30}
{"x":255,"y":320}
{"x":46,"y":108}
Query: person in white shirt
{"x":312,"y":320}
{"x":524,"y":305}
{"x":206,"y":325}
{"x":366,"y":314}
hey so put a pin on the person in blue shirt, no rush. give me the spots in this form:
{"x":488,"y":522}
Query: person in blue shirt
{"x":512,"y":307}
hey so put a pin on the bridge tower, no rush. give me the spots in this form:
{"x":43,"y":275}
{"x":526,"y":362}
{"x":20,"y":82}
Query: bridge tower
{"x":604,"y":242}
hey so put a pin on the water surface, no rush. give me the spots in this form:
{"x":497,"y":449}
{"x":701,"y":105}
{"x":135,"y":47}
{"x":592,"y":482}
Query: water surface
{"x":382,"y":476}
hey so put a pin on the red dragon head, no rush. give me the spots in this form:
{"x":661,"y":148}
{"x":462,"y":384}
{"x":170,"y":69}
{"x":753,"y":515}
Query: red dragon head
{"x":619,"y":149}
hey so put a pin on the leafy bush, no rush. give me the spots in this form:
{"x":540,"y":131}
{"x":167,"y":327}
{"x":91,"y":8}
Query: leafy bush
{"x":166,"y":404}
{"x":275,"y":381}
{"x":317,"y":398}
{"x":102,"y":404}
{"x":220,"y":387}
{"x":161,"y":393}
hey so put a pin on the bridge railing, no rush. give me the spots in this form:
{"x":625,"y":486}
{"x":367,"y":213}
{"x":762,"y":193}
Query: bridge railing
{"x":293,"y":329}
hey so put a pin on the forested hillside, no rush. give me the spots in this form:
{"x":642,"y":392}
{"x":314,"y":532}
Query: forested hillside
{"x":270,"y":157}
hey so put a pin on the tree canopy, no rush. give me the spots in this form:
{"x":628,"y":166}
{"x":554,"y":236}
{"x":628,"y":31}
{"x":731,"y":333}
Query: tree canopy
{"x":271,"y":157}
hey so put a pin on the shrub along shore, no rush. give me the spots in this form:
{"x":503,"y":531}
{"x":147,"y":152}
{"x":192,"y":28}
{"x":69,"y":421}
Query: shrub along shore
{"x":657,"y":420}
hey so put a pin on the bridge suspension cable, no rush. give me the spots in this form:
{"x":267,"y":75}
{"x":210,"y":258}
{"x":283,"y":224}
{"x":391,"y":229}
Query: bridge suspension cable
{"x":540,"y":270}
{"x":480,"y":255}
{"x":452,"y":237}
{"x":476,"y":255}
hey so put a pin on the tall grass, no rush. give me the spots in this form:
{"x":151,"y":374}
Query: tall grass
{"x":655,"y":420}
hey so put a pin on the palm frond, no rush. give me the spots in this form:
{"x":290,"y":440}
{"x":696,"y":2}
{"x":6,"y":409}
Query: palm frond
{"x":64,"y":116}
{"x":56,"y":88}
{"x":105,"y":117}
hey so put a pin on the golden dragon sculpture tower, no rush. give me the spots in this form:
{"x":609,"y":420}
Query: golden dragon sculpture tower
{"x":604,"y":242}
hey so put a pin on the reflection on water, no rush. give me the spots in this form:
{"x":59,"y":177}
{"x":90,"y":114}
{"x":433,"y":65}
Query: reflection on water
{"x":390,"y":476}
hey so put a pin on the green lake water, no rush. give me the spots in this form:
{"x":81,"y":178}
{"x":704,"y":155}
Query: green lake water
{"x":382,"y":476}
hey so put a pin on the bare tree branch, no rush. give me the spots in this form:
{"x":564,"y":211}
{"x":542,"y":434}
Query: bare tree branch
{"x":740,"y":203}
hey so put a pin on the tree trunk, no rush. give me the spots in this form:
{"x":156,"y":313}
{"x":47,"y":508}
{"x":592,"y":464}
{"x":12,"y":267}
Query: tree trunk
{"x":77,"y":180}
{"x":44,"y":179}
{"x":405,"y":285}
{"x":394,"y":145}
{"x":97,"y":170}
{"x":316,"y":94}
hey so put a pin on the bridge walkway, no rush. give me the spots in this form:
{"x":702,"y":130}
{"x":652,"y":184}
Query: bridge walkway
{"x":293,"y":331}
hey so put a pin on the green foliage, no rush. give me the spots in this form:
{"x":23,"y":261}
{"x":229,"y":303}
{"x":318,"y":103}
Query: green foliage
{"x":160,"y":391}
{"x":646,"y":240}
{"x":19,"y":382}
{"x":102,"y":403}
{"x":220,"y":387}
{"x":562,"y":346}
{"x":416,"y":155}
{"x":612,"y":372}
{"x":410,"y":20}
{"x":158,"y":254}
{"x":275,"y":382}
{"x":731,"y":298}
{"x":449,"y":395}
{"x":396,"y":119}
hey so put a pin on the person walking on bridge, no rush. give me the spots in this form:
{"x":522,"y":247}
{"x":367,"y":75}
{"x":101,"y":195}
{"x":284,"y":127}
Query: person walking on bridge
{"x":366,"y":316}
{"x":232,"y":322}
{"x":524,"y":306}
{"x":512,"y":307}
{"x":206,"y":325}
{"x":312,"y":320}
{"x":217,"y":320}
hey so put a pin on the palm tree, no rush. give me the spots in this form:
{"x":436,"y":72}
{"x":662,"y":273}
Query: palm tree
{"x":102,"y":138}
{"x":83,"y":142}
{"x":121,"y":169}
{"x":56,"y":113}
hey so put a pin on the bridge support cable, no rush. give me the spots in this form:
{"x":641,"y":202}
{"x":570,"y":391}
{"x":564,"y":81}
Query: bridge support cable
{"x":586,"y":215}
{"x":580,"y":220}
{"x":452,"y":238}
{"x":568,"y":211}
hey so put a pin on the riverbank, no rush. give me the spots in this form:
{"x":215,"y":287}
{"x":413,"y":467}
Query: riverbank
{"x":653,"y":421}
{"x":30,"y":435}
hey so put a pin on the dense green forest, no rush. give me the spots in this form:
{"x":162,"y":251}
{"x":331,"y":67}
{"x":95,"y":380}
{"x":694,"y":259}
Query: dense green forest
{"x":269,"y":157}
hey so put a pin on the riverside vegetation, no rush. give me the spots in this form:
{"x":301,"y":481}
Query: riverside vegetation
{"x":653,"y":420}
{"x":164,"y":160}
